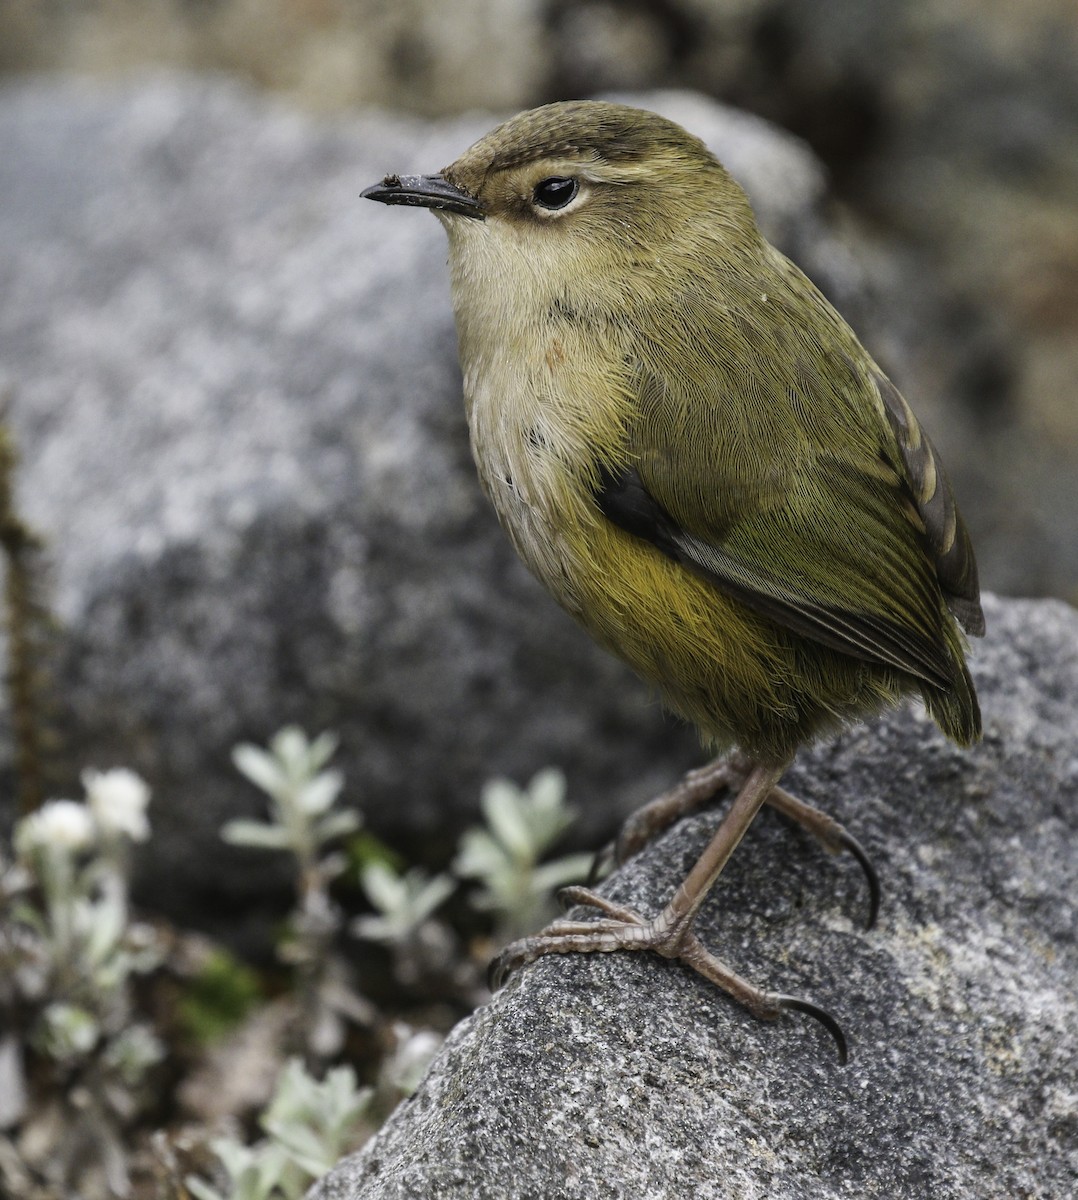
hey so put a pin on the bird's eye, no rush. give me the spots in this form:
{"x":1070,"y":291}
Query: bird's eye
{"x":556,"y":192}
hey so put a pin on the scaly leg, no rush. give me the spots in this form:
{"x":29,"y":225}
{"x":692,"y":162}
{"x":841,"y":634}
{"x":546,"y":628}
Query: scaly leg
{"x":670,"y":933}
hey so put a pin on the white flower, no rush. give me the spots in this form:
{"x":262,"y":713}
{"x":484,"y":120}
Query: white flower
{"x":57,"y":825}
{"x":118,"y":800}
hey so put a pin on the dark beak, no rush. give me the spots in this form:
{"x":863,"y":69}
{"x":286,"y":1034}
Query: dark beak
{"x":425,"y":191}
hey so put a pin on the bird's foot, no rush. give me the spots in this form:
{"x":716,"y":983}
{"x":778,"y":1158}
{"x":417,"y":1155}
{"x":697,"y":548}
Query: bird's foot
{"x":623,"y":929}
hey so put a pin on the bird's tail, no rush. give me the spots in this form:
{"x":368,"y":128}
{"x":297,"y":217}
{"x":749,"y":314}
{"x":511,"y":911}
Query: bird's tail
{"x":955,"y":709}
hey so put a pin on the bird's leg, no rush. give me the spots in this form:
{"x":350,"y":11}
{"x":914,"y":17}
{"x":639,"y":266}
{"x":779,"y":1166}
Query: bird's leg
{"x":696,"y":788}
{"x":670,"y":933}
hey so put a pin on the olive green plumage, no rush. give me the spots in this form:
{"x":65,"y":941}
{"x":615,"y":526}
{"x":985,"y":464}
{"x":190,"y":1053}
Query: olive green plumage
{"x":689,"y":446}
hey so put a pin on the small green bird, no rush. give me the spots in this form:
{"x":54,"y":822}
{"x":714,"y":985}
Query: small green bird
{"x":691,"y":449}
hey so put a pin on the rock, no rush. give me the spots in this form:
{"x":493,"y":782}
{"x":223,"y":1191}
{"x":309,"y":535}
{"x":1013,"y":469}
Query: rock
{"x":622,"y":1075}
{"x":237,"y":400}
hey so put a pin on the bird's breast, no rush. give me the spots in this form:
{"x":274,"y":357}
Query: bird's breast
{"x":543,"y":411}
{"x":529,"y":466}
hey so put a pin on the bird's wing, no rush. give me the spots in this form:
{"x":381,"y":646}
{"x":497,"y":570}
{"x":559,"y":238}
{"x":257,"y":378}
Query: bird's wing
{"x":803,"y":505}
{"x":948,"y":539}
{"x":799,"y":593}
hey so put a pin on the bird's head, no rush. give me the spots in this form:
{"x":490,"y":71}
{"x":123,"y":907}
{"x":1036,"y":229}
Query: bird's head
{"x":577,"y":186}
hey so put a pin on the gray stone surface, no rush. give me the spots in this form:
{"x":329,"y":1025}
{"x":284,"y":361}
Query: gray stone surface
{"x":236,"y":395}
{"x":616,"y":1076}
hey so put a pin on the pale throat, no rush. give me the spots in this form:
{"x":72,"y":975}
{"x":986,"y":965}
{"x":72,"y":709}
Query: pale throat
{"x":535,"y":393}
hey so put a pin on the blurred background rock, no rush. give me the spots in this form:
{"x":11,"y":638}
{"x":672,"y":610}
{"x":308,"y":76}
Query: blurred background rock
{"x":950,"y":127}
{"x":235,"y":391}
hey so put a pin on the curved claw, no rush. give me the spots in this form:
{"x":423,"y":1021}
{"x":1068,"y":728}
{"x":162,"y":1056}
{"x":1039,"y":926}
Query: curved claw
{"x":601,"y":865}
{"x":498,"y":971}
{"x":796,"y":1004}
{"x":833,"y":836}
{"x":849,"y":842}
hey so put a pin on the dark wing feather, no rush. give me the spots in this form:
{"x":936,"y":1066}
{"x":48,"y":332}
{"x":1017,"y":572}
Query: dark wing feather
{"x":624,"y":499}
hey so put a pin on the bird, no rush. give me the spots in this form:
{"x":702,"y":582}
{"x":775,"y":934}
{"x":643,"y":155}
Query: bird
{"x":691,"y":449}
